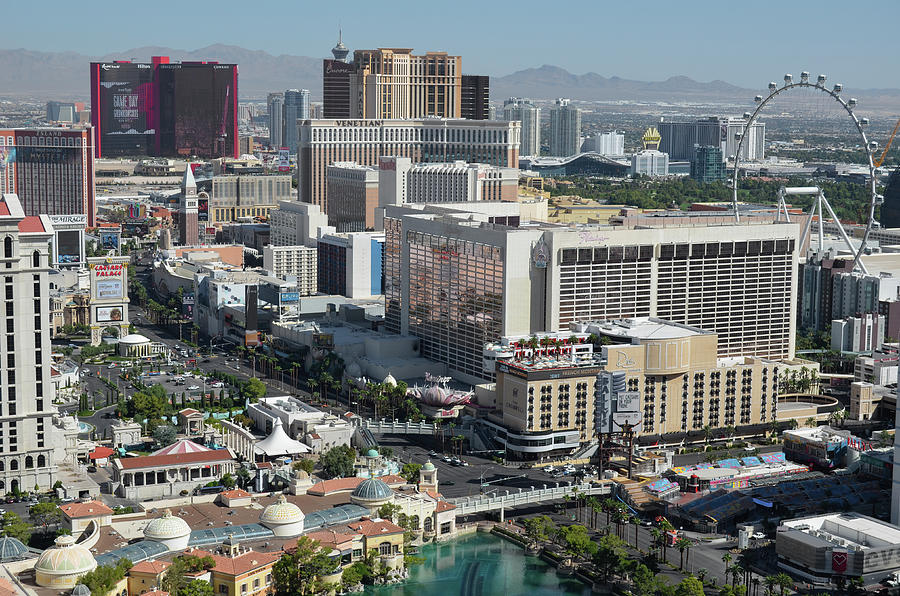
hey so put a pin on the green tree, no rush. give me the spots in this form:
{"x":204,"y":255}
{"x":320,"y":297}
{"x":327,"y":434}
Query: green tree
{"x":576,"y":541}
{"x":389,"y":511}
{"x":253,"y":389}
{"x":177,"y":580}
{"x":411,"y":472}
{"x":295,"y":573}
{"x":228,"y":480}
{"x":689,"y":586}
{"x":356,"y":573}
{"x":198,"y":587}
{"x":644,"y":580}
{"x":305,"y":464}
{"x":610,"y":557}
{"x":165,"y":434}
{"x":539,"y":528}
{"x":45,"y":514}
{"x":104,"y":578}
{"x":13,"y":526}
{"x":338,"y":462}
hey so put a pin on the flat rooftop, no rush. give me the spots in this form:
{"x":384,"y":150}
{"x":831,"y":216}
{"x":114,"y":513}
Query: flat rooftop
{"x":645,"y":328}
{"x":848,"y":530}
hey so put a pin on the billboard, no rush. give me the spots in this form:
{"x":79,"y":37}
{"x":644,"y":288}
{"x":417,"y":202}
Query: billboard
{"x":284,"y":160}
{"x":287,"y":297}
{"x":109,"y":240}
{"x":202,"y":209}
{"x":108,"y":288}
{"x":106,"y":314}
{"x":125,"y":97}
{"x":68,"y":246}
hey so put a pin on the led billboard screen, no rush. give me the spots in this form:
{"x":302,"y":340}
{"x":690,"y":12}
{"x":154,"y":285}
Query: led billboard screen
{"x":126,"y":97}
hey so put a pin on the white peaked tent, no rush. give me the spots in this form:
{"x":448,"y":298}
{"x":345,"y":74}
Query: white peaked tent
{"x":278,"y":443}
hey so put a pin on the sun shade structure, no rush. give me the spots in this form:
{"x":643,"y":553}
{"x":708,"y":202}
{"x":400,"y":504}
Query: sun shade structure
{"x":180,"y":447}
{"x":278,"y":443}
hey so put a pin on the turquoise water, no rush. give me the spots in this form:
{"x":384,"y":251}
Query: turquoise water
{"x":481,"y":565}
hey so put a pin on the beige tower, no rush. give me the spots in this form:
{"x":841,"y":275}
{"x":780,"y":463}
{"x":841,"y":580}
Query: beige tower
{"x":428,"y":478}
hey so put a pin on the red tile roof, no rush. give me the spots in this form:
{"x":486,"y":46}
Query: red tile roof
{"x":31,"y":224}
{"x":89,"y":509}
{"x":335,"y":485}
{"x":332,"y":538}
{"x":443,"y":506}
{"x":188,"y":412}
{"x":369,"y":527}
{"x":4,"y":208}
{"x":157,"y":461}
{"x":240,"y":564}
{"x":155,"y":567}
{"x":101,"y":452}
{"x":393,"y":479}
{"x":235,"y":493}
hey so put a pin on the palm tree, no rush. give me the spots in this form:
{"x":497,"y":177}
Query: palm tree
{"x":783,"y":581}
{"x":771,"y":581}
{"x":683,"y":545}
{"x":810,"y":422}
{"x":707,"y":433}
{"x":701,"y":574}
{"x":636,"y":522}
{"x":736,"y":573}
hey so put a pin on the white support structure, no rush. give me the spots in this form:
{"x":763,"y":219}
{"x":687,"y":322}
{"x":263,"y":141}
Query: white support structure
{"x":818,"y":208}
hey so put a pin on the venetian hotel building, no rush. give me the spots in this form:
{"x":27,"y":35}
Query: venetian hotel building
{"x":429,"y":140}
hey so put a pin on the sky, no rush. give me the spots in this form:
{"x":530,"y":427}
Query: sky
{"x":744,"y":43}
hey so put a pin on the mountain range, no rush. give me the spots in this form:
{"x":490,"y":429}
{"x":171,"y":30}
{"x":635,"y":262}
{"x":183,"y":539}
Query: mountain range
{"x":64,"y":76}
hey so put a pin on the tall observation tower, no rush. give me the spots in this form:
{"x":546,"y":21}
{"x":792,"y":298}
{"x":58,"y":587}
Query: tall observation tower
{"x":340,"y":51}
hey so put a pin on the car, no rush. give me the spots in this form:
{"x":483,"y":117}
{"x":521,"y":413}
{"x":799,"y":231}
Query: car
{"x":13,"y":499}
{"x":647,"y":523}
{"x":111,"y":366}
{"x":432,"y":453}
{"x":464,"y":464}
{"x":759,"y":536}
{"x":90,"y":469}
{"x":446,"y":459}
{"x":549,"y":469}
{"x":194,"y":388}
{"x":67,"y":500}
{"x":749,"y":448}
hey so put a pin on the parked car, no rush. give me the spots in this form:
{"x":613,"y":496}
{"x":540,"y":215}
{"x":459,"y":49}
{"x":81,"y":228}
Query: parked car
{"x":759,"y":536}
{"x":194,"y":388}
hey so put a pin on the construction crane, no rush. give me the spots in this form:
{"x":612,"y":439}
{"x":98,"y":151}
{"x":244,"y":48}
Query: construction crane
{"x":887,"y":147}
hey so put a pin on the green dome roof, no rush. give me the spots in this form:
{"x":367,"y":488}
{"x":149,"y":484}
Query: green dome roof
{"x":372,"y":489}
{"x":372,"y":453}
{"x":428,"y":467}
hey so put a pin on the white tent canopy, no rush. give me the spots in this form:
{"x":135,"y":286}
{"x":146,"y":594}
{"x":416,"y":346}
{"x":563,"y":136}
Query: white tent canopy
{"x":278,"y":443}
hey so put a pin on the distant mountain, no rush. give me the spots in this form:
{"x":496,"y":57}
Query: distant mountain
{"x":548,"y":82}
{"x":65,"y":75}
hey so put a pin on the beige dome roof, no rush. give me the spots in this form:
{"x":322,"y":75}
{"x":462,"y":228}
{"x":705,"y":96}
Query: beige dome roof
{"x":281,"y":512}
{"x":66,"y":558}
{"x":166,"y":527}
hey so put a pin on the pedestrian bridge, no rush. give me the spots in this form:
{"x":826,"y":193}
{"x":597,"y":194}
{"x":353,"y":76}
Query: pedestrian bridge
{"x":394,"y":427}
{"x":525,"y":497}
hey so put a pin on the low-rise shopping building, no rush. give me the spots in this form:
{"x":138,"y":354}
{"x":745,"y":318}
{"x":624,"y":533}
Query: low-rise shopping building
{"x":167,"y":475}
{"x":823,"y":548}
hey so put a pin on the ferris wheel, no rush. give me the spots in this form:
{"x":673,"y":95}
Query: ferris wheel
{"x":820,"y":205}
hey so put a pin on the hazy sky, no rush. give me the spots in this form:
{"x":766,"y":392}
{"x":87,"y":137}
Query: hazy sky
{"x":745,"y":43}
